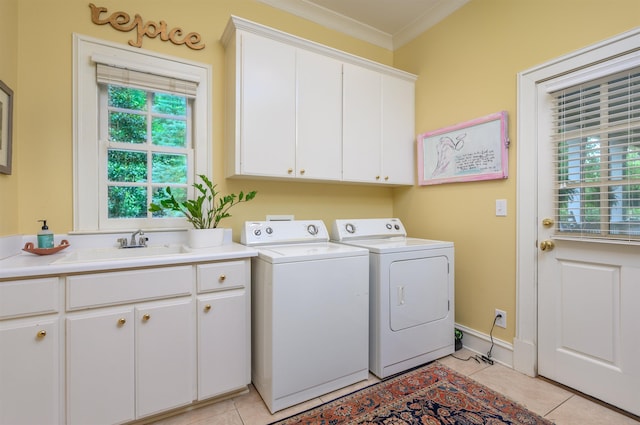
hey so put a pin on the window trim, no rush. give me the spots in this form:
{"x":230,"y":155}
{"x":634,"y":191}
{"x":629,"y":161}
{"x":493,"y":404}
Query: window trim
{"x":86,"y":147}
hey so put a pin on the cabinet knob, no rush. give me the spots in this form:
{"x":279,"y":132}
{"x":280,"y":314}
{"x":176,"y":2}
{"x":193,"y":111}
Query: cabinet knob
{"x":146,"y":317}
{"x":386,"y":178}
{"x":302,"y":171}
{"x":377,"y":177}
{"x":222,"y":278}
{"x":122,"y":321}
{"x":207,"y":307}
{"x":41,"y":334}
{"x":290,"y":170}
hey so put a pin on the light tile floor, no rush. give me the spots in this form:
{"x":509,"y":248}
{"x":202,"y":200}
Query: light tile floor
{"x":553,"y":402}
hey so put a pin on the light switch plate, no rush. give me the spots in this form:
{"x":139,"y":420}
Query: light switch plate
{"x":501,"y":207}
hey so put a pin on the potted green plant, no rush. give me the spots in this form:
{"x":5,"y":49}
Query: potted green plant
{"x":204,"y":212}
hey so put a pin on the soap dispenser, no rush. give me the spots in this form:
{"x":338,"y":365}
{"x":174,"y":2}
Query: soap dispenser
{"x":45,"y":236}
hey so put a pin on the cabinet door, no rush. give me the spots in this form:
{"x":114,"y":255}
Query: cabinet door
{"x":398,"y":128}
{"x":100,"y":361}
{"x":223,"y":343}
{"x":165,"y":355}
{"x":319,"y":117}
{"x":362,"y":124}
{"x":29,"y":372}
{"x":268,"y":107}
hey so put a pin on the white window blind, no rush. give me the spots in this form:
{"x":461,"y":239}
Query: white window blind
{"x":107,"y":74}
{"x":596,"y":140}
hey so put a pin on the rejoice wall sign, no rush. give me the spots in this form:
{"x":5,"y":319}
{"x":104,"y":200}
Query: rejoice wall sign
{"x":123,"y":22}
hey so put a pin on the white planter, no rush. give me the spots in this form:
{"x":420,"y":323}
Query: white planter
{"x":205,"y":238}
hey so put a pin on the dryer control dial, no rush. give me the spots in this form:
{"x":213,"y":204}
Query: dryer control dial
{"x":350,"y":228}
{"x":312,"y":229}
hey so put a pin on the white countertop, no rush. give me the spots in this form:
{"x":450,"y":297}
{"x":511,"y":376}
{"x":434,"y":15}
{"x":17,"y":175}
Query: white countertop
{"x":24,"y":264}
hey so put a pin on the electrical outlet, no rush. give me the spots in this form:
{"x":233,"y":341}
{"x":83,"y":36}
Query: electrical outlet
{"x":502,"y":320}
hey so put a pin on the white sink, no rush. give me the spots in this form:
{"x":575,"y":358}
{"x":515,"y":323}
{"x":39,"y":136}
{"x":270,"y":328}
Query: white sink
{"x":108,"y":254}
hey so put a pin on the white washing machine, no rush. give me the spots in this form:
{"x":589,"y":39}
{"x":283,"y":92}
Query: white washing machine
{"x":310,"y":311}
{"x":411,"y":310}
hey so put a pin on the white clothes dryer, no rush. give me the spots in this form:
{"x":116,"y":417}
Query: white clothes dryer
{"x":411,"y":310}
{"x":310,"y":311}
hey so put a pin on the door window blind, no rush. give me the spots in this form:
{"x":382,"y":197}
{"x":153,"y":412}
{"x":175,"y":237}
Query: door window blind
{"x":596,"y":144}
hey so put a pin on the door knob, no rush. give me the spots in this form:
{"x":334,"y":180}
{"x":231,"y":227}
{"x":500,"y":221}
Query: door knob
{"x":547,"y":222}
{"x":547,"y":245}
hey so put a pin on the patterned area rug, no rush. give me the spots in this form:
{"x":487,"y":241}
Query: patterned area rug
{"x":429,"y":395}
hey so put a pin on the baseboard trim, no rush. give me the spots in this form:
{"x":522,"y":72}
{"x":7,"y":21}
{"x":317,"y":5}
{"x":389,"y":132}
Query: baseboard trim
{"x":480,"y":343}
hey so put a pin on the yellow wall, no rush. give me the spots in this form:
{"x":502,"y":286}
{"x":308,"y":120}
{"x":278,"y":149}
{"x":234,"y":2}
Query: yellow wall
{"x":44,"y":168}
{"x":9,"y":75}
{"x":467,"y":67}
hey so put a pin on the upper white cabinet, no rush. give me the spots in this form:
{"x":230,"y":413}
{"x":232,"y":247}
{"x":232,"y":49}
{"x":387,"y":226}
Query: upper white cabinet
{"x":266,"y":110}
{"x":297,"y":109}
{"x":397,"y":130}
{"x":378,"y":127}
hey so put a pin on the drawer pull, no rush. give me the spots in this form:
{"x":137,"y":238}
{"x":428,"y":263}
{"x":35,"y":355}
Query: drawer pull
{"x":42,"y":334}
{"x":222,"y":278}
{"x":122,"y":321}
{"x":146,"y":317}
{"x":207,"y":307}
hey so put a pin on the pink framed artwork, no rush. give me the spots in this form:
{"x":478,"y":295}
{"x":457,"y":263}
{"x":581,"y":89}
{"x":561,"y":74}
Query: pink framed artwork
{"x":469,"y":151}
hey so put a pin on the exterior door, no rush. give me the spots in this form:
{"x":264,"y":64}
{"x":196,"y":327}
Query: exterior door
{"x":588,"y":262}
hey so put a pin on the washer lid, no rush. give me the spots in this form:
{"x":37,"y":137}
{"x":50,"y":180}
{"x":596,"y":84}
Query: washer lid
{"x":399,"y":244}
{"x":288,"y":253}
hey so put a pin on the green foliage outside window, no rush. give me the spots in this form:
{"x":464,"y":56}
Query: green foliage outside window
{"x":144,"y":119}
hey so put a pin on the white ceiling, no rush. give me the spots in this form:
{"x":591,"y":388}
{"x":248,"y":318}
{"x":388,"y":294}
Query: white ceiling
{"x":386,"y":23}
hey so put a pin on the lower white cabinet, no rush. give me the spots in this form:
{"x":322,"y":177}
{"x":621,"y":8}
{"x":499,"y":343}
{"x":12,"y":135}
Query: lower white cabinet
{"x":223,"y":363}
{"x":116,"y":346}
{"x":30,"y":352}
{"x":100,"y":366}
{"x":29,"y":371}
{"x":128,"y":363}
{"x":165,"y":356}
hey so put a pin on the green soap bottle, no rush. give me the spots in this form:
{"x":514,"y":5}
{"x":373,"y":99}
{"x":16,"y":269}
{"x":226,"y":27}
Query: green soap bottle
{"x":45,"y":236}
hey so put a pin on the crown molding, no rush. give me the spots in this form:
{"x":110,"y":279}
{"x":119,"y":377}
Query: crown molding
{"x":426,"y":21}
{"x":349,"y":26}
{"x":333,"y":20}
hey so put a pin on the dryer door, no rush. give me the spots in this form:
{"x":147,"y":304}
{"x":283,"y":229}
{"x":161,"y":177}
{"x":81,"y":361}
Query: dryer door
{"x":418,"y":291}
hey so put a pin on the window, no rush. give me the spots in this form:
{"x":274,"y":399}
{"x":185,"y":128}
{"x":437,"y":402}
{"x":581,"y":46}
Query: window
{"x":596,"y":137}
{"x":141,"y":124}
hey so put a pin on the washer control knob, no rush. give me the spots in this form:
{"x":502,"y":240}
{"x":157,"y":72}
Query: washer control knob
{"x":389,"y":227}
{"x":269,"y":230}
{"x":257,"y":232}
{"x":350,"y":228}
{"x":312,"y":229}
{"x":397,"y":227}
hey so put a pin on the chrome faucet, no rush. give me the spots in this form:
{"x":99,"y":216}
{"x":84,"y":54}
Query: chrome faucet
{"x":140,"y":243}
{"x":133,"y":237}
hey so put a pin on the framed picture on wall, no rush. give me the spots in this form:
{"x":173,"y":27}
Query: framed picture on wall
{"x":469,"y":151}
{"x":6,"y":122}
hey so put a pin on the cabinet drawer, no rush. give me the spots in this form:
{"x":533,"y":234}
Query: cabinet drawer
{"x":225,"y":275}
{"x":92,"y":290}
{"x":29,"y":297}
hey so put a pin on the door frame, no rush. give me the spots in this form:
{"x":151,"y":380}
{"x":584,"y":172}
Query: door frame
{"x":525,"y":343}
